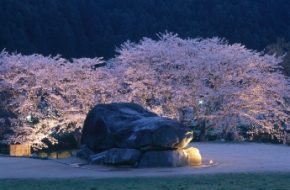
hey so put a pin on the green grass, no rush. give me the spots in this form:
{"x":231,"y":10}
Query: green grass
{"x":275,"y":181}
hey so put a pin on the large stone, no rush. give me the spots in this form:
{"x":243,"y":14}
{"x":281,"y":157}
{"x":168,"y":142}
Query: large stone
{"x":116,"y":156}
{"x":128,"y":125}
{"x":154,"y":133}
{"x":171,"y":158}
{"x":127,"y":134}
{"x":193,"y":156}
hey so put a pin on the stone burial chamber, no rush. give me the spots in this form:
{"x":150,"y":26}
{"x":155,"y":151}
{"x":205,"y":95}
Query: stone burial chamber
{"x":127,"y":134}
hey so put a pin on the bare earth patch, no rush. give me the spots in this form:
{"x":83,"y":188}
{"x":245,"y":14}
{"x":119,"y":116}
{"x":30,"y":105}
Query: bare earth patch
{"x":230,"y":158}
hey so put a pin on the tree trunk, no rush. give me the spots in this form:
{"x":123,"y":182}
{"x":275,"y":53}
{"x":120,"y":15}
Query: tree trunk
{"x":203,"y":131}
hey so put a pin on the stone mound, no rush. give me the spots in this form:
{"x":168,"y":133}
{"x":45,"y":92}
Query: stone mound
{"x":128,"y":134}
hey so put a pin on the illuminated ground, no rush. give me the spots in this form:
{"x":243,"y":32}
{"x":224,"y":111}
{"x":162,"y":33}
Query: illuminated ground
{"x":231,"y":158}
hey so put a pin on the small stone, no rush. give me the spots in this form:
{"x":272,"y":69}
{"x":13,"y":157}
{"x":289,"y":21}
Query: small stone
{"x":84,"y":152}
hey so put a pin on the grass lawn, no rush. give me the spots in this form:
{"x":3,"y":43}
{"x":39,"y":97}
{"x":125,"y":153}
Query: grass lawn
{"x":277,"y":181}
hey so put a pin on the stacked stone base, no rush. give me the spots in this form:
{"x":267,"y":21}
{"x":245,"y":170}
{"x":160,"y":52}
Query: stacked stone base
{"x":137,"y":158}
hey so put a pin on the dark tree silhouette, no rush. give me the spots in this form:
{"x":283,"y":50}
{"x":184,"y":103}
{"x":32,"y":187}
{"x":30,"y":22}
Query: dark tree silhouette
{"x":90,"y":28}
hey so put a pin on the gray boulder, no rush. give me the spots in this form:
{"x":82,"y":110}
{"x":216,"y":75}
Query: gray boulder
{"x":116,"y":156}
{"x":154,"y":133}
{"x":171,"y":158}
{"x":127,"y":134}
{"x":128,"y":125}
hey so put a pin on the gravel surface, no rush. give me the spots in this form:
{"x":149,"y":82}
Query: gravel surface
{"x":227,"y":158}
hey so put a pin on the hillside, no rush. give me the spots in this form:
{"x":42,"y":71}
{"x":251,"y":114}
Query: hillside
{"x":93,"y":28}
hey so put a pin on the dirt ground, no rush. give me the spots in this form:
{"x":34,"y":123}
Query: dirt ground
{"x":228,"y":158}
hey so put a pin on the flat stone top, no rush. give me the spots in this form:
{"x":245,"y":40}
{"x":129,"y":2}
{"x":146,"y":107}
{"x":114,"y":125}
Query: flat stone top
{"x":245,"y":157}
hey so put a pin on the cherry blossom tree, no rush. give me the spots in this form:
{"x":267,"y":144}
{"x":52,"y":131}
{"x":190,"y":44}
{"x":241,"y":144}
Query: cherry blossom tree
{"x":49,"y":95}
{"x":221,"y":90}
{"x":228,"y":88}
